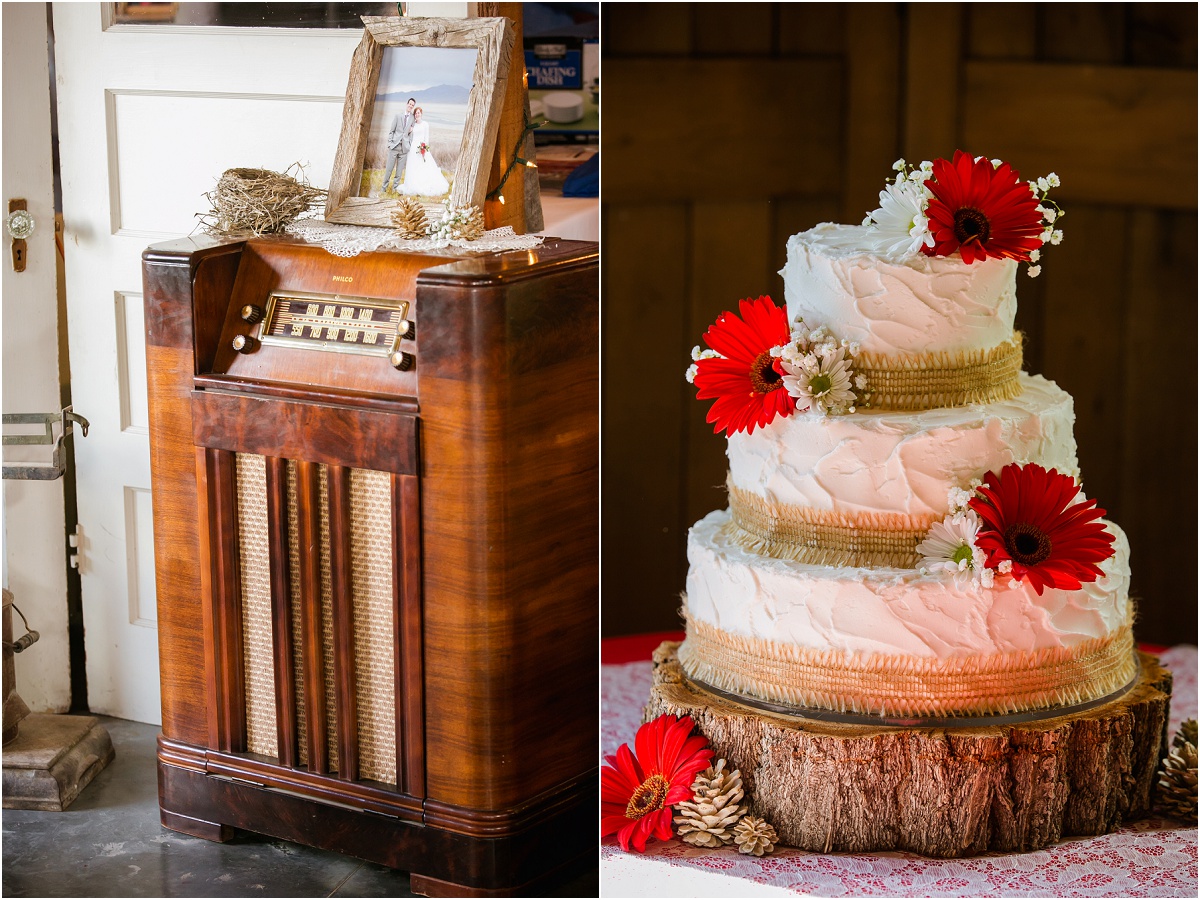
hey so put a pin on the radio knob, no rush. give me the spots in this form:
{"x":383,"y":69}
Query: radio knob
{"x":402,"y":361}
{"x":244,"y":344}
{"x":251,"y":313}
{"x":407,"y":329}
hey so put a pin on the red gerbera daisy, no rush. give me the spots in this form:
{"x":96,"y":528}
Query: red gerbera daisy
{"x":1029,"y":518}
{"x":746,"y":381}
{"x":637,"y":793}
{"x":981,"y":211}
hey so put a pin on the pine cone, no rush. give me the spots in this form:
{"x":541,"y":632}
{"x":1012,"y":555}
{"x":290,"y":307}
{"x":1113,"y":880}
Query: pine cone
{"x":754,"y":835}
{"x":708,"y":818}
{"x":409,"y":219}
{"x":1186,"y":734}
{"x":1177,"y":784}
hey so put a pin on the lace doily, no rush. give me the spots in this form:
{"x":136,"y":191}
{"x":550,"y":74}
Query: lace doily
{"x":1149,"y":858}
{"x":351,"y":240}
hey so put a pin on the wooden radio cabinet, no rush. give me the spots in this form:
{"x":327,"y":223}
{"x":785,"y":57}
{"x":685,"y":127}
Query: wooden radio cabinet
{"x":375,"y":491}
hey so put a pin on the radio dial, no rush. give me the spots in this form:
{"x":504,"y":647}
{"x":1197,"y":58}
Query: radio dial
{"x":252,"y":313}
{"x":244,"y":344}
{"x":402,"y":361}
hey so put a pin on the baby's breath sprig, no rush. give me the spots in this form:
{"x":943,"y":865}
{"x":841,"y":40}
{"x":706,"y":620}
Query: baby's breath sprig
{"x":1052,"y":214}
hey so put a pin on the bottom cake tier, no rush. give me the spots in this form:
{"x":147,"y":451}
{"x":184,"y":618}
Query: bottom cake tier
{"x":896,"y":642}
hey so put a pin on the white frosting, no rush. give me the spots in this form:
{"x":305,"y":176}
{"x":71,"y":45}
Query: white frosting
{"x":903,"y":462}
{"x":892,"y":610}
{"x":915,"y":304}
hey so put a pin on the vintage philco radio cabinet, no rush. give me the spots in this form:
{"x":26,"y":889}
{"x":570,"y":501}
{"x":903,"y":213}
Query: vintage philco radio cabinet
{"x":375,"y":519}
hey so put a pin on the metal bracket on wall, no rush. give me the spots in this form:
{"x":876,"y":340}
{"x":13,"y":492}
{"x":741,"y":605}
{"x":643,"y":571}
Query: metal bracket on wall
{"x":57,"y":465}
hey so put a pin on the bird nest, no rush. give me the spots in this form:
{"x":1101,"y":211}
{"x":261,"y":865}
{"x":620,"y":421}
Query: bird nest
{"x":258,"y":201}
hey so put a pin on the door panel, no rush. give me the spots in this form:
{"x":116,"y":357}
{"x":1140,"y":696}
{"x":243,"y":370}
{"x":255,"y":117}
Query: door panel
{"x":148,"y":120}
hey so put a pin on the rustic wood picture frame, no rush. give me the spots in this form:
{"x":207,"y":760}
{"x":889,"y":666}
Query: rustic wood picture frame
{"x":493,"y":38}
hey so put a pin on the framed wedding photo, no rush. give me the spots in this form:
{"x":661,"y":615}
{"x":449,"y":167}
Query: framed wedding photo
{"x":421,"y":115}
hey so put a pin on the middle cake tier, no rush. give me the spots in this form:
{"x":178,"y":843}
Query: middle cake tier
{"x":896,"y":464}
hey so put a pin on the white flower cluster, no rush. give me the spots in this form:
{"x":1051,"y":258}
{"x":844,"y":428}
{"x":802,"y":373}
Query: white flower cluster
{"x":1051,"y":213}
{"x":959,"y":498}
{"x":818,"y":371}
{"x":697,"y":355}
{"x":950,"y":547}
{"x":900,"y":226}
{"x":464,"y":223}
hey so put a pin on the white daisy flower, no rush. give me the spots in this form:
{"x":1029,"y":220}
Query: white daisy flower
{"x":690,"y":374}
{"x":820,"y":383}
{"x":950,"y":547}
{"x":901,"y":226}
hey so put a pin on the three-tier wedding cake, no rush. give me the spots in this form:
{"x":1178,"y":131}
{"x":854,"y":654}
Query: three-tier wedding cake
{"x":906,"y":534}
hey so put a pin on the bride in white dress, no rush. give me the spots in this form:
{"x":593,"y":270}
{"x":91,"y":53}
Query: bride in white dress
{"x":422,"y":175}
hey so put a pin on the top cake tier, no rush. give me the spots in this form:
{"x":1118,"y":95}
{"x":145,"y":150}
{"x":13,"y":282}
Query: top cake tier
{"x":911,"y":306}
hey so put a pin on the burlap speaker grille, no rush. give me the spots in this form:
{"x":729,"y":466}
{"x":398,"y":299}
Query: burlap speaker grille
{"x":371,"y":589}
{"x":261,"y":734}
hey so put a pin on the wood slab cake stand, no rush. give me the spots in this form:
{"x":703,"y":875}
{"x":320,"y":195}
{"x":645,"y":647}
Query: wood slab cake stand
{"x":943,"y":792}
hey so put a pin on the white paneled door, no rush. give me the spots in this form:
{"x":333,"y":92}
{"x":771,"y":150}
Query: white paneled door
{"x":149,"y":117}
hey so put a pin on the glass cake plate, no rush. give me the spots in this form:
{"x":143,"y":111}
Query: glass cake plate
{"x":815,"y":714}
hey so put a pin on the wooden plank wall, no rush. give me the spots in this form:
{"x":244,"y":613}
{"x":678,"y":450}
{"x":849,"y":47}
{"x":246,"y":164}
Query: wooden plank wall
{"x":729,"y":127}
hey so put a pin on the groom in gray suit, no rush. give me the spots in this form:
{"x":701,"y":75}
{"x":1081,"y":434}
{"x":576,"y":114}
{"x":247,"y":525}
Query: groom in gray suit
{"x":399,"y":140}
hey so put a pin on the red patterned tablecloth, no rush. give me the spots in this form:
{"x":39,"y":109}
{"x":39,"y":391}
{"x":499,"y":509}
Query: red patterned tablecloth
{"x":1149,"y":858}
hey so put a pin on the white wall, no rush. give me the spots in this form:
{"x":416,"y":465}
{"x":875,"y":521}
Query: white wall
{"x":34,"y":555}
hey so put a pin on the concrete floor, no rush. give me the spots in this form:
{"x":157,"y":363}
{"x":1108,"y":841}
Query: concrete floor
{"x":109,"y":843}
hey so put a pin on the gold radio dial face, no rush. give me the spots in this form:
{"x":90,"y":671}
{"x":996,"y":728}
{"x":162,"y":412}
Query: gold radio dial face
{"x":369,"y":327}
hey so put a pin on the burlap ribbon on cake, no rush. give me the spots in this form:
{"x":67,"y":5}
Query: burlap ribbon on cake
{"x":937,"y":380}
{"x":824,"y":537}
{"x":904,"y":685}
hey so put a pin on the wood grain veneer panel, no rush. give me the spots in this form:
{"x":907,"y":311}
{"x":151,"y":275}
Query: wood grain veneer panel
{"x":1122,"y":135}
{"x":311,"y":642}
{"x":169,"y":275}
{"x":932,"y":83}
{"x":1159,"y":427}
{"x":687,"y":147}
{"x":645,"y":352}
{"x":873,"y":109}
{"x":509,"y":573}
{"x":752,"y":32}
{"x":323,"y":433}
{"x":407,"y":617}
{"x":1081,"y":361}
{"x":281,"y":614}
{"x":224,"y":604}
{"x":646,"y":29}
{"x":342,"y":614}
